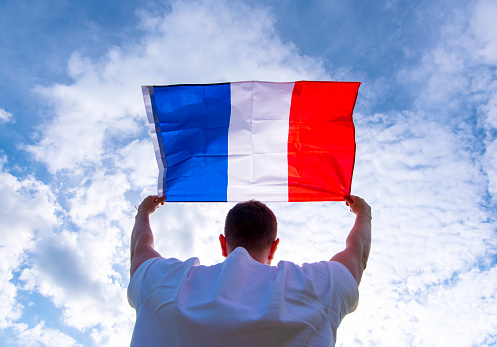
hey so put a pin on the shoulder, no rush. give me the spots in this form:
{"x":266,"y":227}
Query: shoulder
{"x":331,"y":278}
{"x":332,"y":283}
{"x":155,"y":268}
{"x":342,"y":276}
{"x":335,"y":286}
{"x":335,"y":271}
{"x":153,"y":271}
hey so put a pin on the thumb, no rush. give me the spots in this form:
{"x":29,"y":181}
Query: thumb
{"x":348,"y":200}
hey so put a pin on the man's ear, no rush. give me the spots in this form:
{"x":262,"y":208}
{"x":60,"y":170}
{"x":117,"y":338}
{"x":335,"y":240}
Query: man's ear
{"x":272,"y":250}
{"x":224,"y":249}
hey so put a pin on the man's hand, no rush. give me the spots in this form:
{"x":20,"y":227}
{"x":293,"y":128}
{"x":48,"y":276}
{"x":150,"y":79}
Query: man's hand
{"x":357,"y":205}
{"x":150,"y":204}
{"x":142,"y":238}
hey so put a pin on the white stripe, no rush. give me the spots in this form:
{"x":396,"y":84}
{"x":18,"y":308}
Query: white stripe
{"x":258,"y":141}
{"x":153,"y":133}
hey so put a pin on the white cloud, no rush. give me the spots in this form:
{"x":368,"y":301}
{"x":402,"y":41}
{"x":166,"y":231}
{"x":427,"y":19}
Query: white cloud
{"x":485,"y":31}
{"x":27,"y":211}
{"x":85,"y":271}
{"x":490,"y":164}
{"x":42,"y":336}
{"x":198,"y":41}
{"x":491,"y":109}
{"x":5,"y":116}
{"x":138,"y":160}
{"x":458,"y":81}
{"x":471,"y":293}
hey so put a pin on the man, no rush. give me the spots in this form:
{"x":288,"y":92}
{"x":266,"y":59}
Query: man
{"x":244,"y":301}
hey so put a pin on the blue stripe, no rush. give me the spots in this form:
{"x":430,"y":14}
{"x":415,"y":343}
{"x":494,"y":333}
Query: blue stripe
{"x":194,"y":122}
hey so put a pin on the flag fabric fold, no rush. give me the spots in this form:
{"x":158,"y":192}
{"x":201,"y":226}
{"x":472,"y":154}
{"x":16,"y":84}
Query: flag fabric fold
{"x":269,"y":141}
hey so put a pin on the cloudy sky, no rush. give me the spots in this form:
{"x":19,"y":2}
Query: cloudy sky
{"x":76,"y":156}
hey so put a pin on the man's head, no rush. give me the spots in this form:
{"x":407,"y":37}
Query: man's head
{"x":253,"y":226}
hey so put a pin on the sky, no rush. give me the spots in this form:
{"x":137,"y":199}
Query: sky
{"x":76,"y":156}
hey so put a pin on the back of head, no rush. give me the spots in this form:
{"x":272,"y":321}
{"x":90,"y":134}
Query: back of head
{"x":251,"y":225}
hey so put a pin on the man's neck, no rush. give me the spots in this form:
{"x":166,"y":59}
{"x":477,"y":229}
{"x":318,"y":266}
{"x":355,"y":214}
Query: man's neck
{"x":260,"y":257}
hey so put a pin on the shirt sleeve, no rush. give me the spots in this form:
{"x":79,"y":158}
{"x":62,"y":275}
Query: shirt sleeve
{"x":136,"y":282}
{"x":345,"y":292}
{"x":151,"y":272}
{"x":336,"y":288}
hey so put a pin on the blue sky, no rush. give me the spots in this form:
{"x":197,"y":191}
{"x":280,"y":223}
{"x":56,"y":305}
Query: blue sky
{"x":76,"y":156}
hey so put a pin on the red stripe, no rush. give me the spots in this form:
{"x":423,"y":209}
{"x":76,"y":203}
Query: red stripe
{"x":321,"y":141}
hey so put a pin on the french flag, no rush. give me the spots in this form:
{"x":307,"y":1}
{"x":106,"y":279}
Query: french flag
{"x":268,"y":141}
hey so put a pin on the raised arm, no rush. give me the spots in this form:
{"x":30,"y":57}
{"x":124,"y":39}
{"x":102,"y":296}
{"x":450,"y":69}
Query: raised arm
{"x":356,"y":253}
{"x":142,"y":238}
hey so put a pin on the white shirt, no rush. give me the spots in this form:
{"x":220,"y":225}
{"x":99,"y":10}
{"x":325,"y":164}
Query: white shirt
{"x":239,"y":302}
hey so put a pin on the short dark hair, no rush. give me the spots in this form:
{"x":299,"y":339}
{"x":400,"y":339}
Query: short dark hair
{"x":251,"y":225}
